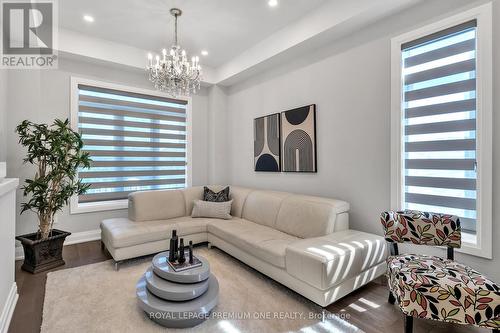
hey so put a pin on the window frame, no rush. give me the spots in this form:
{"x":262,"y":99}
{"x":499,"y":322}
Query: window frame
{"x":79,"y":208}
{"x":484,"y":137}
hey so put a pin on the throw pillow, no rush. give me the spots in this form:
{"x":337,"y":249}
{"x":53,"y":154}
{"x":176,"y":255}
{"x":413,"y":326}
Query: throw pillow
{"x":221,"y":196}
{"x":217,"y":210}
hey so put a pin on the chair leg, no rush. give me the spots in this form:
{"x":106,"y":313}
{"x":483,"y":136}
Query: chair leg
{"x":408,"y":324}
{"x":391,"y":299}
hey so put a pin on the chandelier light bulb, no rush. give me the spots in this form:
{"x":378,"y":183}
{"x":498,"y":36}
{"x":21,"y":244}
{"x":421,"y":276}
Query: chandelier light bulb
{"x":164,"y":52}
{"x":150,"y":56}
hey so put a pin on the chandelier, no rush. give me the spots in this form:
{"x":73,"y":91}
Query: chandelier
{"x":173,"y":72}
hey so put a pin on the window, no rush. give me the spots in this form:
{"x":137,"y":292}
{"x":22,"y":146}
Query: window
{"x":443,"y":143}
{"x":439,"y":101}
{"x":137,"y":141}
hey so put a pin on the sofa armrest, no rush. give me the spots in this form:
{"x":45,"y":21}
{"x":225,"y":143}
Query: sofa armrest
{"x":156,"y":205}
{"x":341,"y":222}
{"x":328,"y":260}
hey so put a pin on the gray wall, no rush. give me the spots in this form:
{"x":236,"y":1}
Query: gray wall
{"x":350,"y":83}
{"x":43,"y":95}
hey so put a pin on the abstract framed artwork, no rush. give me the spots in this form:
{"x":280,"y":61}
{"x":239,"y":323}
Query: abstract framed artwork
{"x":298,"y":147}
{"x":267,"y":147}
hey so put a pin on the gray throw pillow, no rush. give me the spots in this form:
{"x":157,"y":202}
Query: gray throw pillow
{"x":217,"y":210}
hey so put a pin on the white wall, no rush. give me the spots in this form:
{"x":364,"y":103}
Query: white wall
{"x":8,"y":288}
{"x":43,"y":95}
{"x":350,"y":82}
{"x":218,"y":165}
{"x":3,"y":112}
{"x":200,"y":138}
{"x":351,"y":92}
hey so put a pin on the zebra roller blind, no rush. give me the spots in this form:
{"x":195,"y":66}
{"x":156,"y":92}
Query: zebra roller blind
{"x":137,"y":142}
{"x":439,"y":123}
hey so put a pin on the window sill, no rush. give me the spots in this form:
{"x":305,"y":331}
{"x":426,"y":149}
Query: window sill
{"x":80,"y":208}
{"x":470,"y":246}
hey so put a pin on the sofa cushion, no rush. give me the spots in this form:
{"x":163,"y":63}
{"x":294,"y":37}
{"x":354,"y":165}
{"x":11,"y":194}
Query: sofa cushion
{"x":260,"y":241}
{"x":239,"y":196}
{"x":216,"y":196}
{"x":262,"y":207}
{"x":211,"y":209}
{"x":435,"y":288}
{"x":191,"y":194}
{"x":328,"y":260}
{"x":307,"y":216}
{"x":122,"y":232}
{"x":156,"y":205}
{"x":186,"y":225}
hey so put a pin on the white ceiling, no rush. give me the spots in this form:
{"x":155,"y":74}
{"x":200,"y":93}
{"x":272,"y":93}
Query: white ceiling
{"x":225,"y":28}
{"x":243,"y":37}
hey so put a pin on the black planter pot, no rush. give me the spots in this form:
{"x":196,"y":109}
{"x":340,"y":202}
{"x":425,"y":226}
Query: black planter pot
{"x":41,"y":255}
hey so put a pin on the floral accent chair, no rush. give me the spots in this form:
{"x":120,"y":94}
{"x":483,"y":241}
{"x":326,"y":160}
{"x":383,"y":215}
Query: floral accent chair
{"x":431,"y":287}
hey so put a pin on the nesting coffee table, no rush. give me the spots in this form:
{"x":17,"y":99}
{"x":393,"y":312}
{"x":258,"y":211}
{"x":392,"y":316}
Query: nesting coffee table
{"x":177,"y":299}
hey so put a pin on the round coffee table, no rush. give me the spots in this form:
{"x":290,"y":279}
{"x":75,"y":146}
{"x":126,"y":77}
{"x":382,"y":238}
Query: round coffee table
{"x":162,"y":268}
{"x":174,"y":291}
{"x":177,"y":299}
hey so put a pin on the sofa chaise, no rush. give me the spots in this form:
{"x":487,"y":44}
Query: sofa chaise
{"x":303,"y":242}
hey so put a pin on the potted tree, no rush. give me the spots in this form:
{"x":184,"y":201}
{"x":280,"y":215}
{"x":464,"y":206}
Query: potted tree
{"x":56,"y":152}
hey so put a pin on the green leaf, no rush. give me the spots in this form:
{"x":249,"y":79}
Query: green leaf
{"x":453,"y":312}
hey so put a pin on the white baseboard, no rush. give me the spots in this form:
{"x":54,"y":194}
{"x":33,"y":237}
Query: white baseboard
{"x":8,"y":309}
{"x":74,"y":238}
{"x":83,"y":236}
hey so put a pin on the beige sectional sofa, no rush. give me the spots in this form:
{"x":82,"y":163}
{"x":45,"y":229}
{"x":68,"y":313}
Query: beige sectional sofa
{"x":303,"y":242}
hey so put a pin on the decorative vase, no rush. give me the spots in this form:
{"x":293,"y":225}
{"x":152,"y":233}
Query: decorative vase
{"x":41,"y":255}
{"x":182,"y":257}
{"x":172,"y":254}
{"x":190,"y":252}
{"x":176,"y":243}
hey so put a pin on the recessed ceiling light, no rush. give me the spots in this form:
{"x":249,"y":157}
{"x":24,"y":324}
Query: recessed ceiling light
{"x":272,"y":3}
{"x":88,"y":18}
{"x":204,"y":52}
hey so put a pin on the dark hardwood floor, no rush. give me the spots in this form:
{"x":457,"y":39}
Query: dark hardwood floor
{"x":367,"y":308}
{"x":27,"y":316}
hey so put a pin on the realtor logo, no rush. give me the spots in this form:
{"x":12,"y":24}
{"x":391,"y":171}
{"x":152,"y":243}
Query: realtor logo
{"x":28,"y":34}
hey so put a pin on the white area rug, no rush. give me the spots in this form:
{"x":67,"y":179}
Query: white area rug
{"x":96,"y":298}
